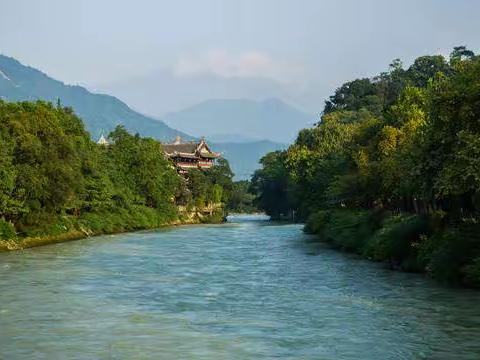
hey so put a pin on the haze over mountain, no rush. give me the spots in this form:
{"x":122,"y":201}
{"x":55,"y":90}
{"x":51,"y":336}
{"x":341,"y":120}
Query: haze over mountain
{"x":101,"y":113}
{"x":270,"y":119}
{"x":231,"y":138}
{"x":164,"y":91}
{"x":164,"y":56}
{"x":244,"y":157}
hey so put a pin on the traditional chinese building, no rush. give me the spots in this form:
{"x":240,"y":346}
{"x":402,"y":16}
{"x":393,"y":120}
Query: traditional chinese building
{"x":190,"y":155}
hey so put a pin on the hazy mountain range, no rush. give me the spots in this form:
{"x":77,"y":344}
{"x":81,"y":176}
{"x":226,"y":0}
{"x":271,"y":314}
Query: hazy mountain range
{"x":101,"y":113}
{"x":270,"y":119}
{"x":162,"y":91}
{"x":244,"y":157}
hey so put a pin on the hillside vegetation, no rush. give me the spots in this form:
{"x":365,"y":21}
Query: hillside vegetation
{"x":55,"y":181}
{"x":391,"y":171}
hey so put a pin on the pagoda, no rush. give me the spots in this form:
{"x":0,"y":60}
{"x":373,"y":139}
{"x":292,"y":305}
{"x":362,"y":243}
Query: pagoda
{"x":190,"y":154}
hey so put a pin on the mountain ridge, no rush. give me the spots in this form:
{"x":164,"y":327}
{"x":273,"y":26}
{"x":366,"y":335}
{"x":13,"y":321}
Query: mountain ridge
{"x":271,"y":119}
{"x":100,"y":112}
{"x":162,"y":91}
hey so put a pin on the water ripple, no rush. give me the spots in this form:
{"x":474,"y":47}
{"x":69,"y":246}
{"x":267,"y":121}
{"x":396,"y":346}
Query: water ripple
{"x":243,"y":290}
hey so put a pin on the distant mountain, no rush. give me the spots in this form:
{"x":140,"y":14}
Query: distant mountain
{"x":101,"y":113}
{"x":234,"y":138}
{"x":270,"y":119}
{"x":244,"y":157}
{"x":163,"y":91}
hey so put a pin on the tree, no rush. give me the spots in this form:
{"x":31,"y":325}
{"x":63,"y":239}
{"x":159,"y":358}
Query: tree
{"x":460,"y":53}
{"x":425,"y":68}
{"x":271,"y":185}
{"x":354,"y":95}
{"x":242,"y":198}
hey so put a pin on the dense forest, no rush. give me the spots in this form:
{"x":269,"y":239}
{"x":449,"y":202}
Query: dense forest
{"x":392,"y":169}
{"x":56,"y":182}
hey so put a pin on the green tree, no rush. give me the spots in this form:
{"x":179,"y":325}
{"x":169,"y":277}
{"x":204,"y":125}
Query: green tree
{"x":271,"y":184}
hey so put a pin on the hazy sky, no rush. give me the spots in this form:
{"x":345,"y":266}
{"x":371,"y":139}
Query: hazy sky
{"x":314,"y":45}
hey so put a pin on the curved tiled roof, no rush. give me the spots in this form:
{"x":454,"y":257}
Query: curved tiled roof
{"x":189,"y":149}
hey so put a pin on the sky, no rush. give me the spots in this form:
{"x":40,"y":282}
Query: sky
{"x":305,"y":47}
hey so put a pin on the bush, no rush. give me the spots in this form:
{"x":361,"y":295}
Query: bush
{"x":216,"y":217}
{"x":374,"y":234}
{"x":7,"y":230}
{"x":346,"y":229}
{"x":451,"y":256}
{"x":397,"y":241}
{"x":472,"y":273}
{"x":317,"y":221}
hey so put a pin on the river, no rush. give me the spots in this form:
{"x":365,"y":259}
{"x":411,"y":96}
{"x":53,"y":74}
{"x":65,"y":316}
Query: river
{"x":248,"y":289}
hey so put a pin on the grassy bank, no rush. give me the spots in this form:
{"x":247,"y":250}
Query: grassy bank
{"x":69,"y":228}
{"x":448,"y":252}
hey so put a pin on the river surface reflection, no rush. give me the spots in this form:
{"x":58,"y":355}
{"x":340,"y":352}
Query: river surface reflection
{"x":248,"y":289}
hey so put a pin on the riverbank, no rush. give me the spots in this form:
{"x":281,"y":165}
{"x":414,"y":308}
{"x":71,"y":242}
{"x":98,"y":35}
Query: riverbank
{"x":96,"y":224}
{"x":406,"y":242}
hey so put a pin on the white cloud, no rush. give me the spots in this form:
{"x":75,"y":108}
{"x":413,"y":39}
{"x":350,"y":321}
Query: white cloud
{"x":244,"y":65}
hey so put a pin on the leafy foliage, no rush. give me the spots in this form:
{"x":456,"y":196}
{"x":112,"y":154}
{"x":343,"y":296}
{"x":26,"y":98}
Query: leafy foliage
{"x":55,"y":179}
{"x":406,"y":144}
{"x":271,"y":185}
{"x":242,"y":198}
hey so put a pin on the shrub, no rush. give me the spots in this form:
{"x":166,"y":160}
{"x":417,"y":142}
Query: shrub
{"x":216,"y":217}
{"x":348,"y":229}
{"x":7,"y":230}
{"x":375,"y":234}
{"x":472,"y":273}
{"x":316,"y":222}
{"x":451,"y":256}
{"x":397,"y":241}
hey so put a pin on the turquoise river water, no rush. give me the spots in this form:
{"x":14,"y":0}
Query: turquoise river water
{"x":248,"y":289}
